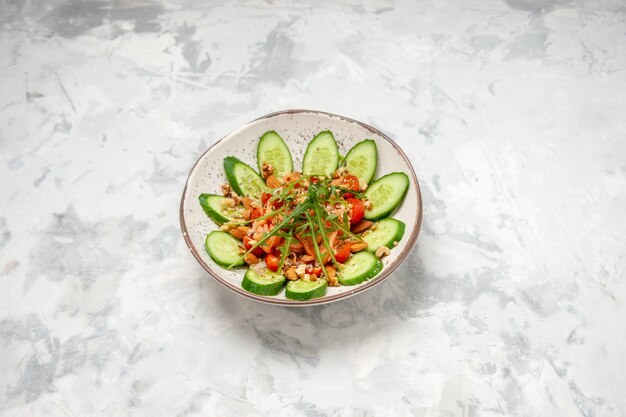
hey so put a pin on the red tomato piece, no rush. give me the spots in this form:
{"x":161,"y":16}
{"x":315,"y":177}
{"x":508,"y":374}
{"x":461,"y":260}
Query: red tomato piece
{"x":314,"y":270}
{"x":358,"y":210}
{"x":272,"y":260}
{"x":265,"y":197}
{"x":246,"y":243}
{"x":342,"y":253}
{"x":350,"y":182}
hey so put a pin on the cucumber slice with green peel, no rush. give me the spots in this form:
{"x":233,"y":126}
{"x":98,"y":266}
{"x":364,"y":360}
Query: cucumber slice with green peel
{"x":213,"y":206}
{"x":273,"y":150}
{"x":361,"y":160}
{"x":262,"y":282}
{"x":385,"y":194}
{"x":321,"y":156}
{"x":243,"y":180}
{"x":223,"y":248}
{"x":305,"y":290}
{"x":384,"y":233}
{"x":359,"y":267}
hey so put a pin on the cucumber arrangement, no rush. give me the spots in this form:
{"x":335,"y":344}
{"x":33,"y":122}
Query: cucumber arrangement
{"x":243,"y":179}
{"x":360,"y":267}
{"x":321,"y":156}
{"x":361,"y":160}
{"x":262,"y":282}
{"x":387,"y":232}
{"x":385,"y":194}
{"x":305,"y":290}
{"x":273,"y":151}
{"x":223,"y":248}
{"x":325,"y":226}
{"x":214,"y":206}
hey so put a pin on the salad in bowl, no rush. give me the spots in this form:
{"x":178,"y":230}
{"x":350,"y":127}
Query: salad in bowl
{"x":297,"y":233}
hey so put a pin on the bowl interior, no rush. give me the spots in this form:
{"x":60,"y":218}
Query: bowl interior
{"x":296,"y":128}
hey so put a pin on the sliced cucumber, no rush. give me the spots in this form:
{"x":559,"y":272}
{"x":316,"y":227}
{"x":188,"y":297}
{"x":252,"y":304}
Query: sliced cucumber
{"x":361,"y":160}
{"x":262,"y":282}
{"x":273,"y":150}
{"x":359,"y":267}
{"x":223,"y":248}
{"x":385,"y":194}
{"x":321,"y":156}
{"x":384,"y":233}
{"x":213,"y":206}
{"x":244,"y":180}
{"x":305,"y":290}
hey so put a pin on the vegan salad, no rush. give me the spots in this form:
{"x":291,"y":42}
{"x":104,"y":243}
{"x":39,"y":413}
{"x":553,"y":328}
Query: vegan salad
{"x":327,"y":225}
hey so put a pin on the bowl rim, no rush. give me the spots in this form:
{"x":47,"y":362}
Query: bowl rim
{"x":388,"y":270}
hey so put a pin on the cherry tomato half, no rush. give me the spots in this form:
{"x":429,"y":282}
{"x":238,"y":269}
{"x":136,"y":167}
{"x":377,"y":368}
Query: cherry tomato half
{"x":358,"y":210}
{"x":342,"y":253}
{"x":272,"y":260}
{"x":314,"y":270}
{"x":315,"y":180}
{"x":246,"y":243}
{"x":350,"y":182}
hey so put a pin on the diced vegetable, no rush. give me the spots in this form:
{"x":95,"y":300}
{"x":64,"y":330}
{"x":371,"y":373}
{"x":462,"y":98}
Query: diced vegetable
{"x":385,"y":194}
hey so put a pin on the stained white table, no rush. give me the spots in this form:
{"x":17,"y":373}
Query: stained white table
{"x":513,"y":302}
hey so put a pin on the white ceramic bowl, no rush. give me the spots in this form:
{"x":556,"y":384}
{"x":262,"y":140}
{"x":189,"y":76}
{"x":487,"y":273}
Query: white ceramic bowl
{"x":297,"y":128}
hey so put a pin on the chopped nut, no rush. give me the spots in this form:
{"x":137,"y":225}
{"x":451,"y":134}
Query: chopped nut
{"x":358,"y":246}
{"x":247,"y":202}
{"x":235,"y":197}
{"x":273,"y":182}
{"x":246,"y":214}
{"x":290,"y":274}
{"x":251,"y":259}
{"x":361,"y":226}
{"x":395,"y":243}
{"x":331,"y":273}
{"x":239,"y":232}
{"x":367,"y":204}
{"x":382,"y":251}
{"x":364,"y":186}
{"x":228,"y":202}
{"x":226,"y":227}
{"x":293,"y":176}
{"x":341,"y":171}
{"x":301,"y":270}
{"x":266,"y":170}
{"x":225,"y":189}
{"x":307,"y":277}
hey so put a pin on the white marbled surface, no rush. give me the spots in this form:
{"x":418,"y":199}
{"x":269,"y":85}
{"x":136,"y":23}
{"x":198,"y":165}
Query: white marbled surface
{"x":512,"y":304}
